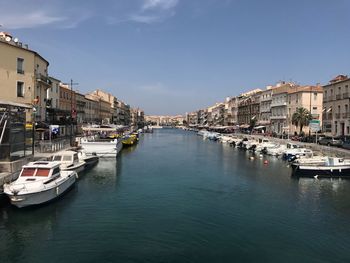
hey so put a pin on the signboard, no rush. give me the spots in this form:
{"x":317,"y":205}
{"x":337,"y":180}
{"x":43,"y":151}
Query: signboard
{"x":315,"y":125}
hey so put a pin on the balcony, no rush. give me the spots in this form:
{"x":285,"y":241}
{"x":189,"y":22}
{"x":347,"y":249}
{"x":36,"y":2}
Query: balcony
{"x":43,"y":79}
{"x":346,"y":95}
{"x":277,"y":104}
{"x":280,"y":117}
{"x":338,"y":97}
{"x":346,"y":115}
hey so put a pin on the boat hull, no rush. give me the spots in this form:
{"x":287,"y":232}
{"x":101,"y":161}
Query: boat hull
{"x":102,"y":149}
{"x":42,"y":197}
{"x":321,"y":172}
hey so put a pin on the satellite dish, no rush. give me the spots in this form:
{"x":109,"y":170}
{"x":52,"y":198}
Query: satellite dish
{"x":8,"y":39}
{"x":15,"y":40}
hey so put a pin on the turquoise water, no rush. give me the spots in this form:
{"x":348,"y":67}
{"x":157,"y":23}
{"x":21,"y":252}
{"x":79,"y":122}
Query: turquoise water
{"x":177,"y":198}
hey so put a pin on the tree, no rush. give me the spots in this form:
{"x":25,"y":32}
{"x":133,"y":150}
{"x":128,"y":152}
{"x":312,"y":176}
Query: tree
{"x":301,"y":117}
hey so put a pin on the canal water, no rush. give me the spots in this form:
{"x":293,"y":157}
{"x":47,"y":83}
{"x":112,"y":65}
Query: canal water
{"x":177,"y":198}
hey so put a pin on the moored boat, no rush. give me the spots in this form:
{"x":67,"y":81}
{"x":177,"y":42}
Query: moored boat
{"x":69,"y":161}
{"x":330,"y":167}
{"x":39,"y":183}
{"x":129,"y":140}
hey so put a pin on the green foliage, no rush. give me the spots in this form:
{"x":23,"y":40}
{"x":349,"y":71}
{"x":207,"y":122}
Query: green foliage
{"x":301,"y":117}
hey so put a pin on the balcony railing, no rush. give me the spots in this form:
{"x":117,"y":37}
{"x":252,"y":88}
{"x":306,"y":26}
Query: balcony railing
{"x":346,"y":115}
{"x":346,"y":95}
{"x":43,"y":79}
{"x":276,"y":104}
{"x":338,"y":97}
{"x":20,"y":71}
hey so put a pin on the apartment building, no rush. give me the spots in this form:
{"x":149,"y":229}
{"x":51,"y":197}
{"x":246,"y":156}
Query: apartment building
{"x":23,"y":76}
{"x":67,"y":102}
{"x":231,"y":111}
{"x":336,"y":101}
{"x":279,"y":122}
{"x":192,"y":119}
{"x":249,"y":108}
{"x":217,"y":114}
{"x":265,"y":108}
{"x":308,"y":97}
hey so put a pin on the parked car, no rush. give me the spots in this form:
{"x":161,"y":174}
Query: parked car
{"x":331,"y":141}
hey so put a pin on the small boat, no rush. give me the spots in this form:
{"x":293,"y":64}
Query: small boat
{"x":332,"y":167}
{"x":89,"y":160}
{"x":202,"y":132}
{"x":39,"y":183}
{"x":129,"y":140}
{"x":69,"y":161}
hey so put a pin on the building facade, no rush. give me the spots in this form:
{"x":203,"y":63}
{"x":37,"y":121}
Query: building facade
{"x":23,"y":76}
{"x":336,"y":101}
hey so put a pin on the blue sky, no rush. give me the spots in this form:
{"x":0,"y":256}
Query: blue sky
{"x":176,"y":56}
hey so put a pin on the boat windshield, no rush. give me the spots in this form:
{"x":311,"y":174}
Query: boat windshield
{"x":57,"y":158}
{"x":67,"y":158}
{"x":42,"y":172}
{"x":28,"y":172}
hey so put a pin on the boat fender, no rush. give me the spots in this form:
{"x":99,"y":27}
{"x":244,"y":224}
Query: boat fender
{"x":266,"y":162}
{"x":76,"y":175}
{"x":57,"y":190}
{"x":316,"y":176}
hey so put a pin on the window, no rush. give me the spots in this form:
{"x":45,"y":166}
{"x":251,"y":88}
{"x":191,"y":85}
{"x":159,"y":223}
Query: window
{"x":56,"y":88}
{"x":28,"y":172}
{"x":314,"y":108}
{"x":20,"y":62}
{"x":20,"y":89}
{"x":42,"y":172}
{"x":315,"y":95}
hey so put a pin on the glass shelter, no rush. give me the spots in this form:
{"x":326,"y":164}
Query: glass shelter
{"x":15,"y":135}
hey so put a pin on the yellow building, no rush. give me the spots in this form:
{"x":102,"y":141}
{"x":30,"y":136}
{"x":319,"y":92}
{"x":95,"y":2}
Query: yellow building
{"x":23,"y":76}
{"x":308,"y":97}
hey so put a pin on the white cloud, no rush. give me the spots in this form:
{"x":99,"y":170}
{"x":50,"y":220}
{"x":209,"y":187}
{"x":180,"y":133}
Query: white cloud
{"x":146,"y":19}
{"x":28,"y":20}
{"x":159,"y":4}
{"x":154,"y":11}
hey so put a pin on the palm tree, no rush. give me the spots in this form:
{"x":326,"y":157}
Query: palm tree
{"x":301,"y":118}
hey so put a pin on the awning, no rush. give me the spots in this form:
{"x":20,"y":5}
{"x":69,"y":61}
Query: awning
{"x":259,"y":127}
{"x":244,"y":126}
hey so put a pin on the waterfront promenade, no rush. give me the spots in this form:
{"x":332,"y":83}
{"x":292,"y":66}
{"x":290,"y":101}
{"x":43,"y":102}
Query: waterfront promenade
{"x":178,"y":198}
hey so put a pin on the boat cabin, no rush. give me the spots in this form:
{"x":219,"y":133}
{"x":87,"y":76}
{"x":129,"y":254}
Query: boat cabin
{"x":39,"y":170}
{"x":66,"y":157}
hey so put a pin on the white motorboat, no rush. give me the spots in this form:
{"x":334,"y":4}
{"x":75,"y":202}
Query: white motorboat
{"x":264,"y":144}
{"x":332,"y":167}
{"x":101,"y":148}
{"x":202,"y":132}
{"x":38,"y":183}
{"x":276,"y":150}
{"x":69,"y":161}
{"x":298,"y":151}
{"x":89,"y":160}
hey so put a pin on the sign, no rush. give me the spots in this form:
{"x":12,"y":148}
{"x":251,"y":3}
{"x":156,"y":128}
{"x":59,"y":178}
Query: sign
{"x":315,"y":125}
